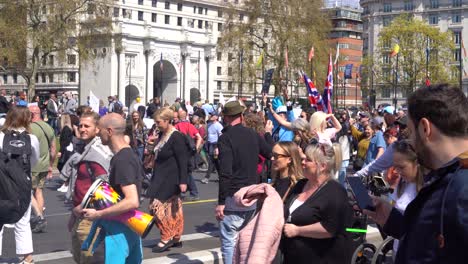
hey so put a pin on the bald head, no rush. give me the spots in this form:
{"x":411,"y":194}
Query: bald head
{"x":35,"y":112}
{"x":182,"y":114}
{"x":114,"y":121}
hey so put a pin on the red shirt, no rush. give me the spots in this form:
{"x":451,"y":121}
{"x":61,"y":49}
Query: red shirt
{"x":186,"y":128}
{"x":84,"y":180}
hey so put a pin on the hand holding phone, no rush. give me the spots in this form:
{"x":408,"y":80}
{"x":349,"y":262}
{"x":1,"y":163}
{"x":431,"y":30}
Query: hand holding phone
{"x":361,"y":194}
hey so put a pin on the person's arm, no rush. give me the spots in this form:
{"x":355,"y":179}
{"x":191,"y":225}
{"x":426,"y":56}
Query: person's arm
{"x":35,"y":154}
{"x":356,"y":133}
{"x":199,"y":141}
{"x":283,"y":122}
{"x":225,"y":167}
{"x":380,"y":164}
{"x":53,"y":155}
{"x":380,"y":144}
{"x":181,"y":155}
{"x":265,"y":148}
{"x":312,"y":231}
{"x":335,"y":122}
{"x":129,"y":202}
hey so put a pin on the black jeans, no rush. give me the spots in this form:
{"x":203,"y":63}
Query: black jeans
{"x":212,"y":162}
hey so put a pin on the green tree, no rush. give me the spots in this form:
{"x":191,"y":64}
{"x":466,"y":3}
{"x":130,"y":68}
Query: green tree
{"x":274,"y":26}
{"x":414,"y":38}
{"x":31,"y":30}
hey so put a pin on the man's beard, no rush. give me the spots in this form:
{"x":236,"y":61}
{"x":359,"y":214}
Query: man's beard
{"x":422,"y":152}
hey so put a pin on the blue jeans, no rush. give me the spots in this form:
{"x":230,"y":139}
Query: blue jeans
{"x":342,"y":174}
{"x":191,"y":186}
{"x":229,"y":227}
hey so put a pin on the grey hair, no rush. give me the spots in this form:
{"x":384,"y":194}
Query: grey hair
{"x":300,"y":124}
{"x":323,"y":153}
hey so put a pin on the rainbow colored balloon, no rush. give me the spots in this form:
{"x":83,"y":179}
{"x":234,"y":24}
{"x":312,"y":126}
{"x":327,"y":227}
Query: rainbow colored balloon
{"x":101,"y":195}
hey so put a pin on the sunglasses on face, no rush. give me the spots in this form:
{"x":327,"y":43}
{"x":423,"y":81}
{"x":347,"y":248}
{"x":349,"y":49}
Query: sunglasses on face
{"x":277,"y":156}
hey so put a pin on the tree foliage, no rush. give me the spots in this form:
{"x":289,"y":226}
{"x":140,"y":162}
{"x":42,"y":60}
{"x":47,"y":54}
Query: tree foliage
{"x":272,"y":26}
{"x":31,"y":30}
{"x":415,"y":38}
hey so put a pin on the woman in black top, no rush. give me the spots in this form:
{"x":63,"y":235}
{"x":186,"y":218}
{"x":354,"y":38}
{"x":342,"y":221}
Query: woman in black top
{"x":169,"y":180}
{"x":286,"y":167}
{"x":317,"y":213}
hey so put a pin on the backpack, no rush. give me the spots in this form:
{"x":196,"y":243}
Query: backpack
{"x":15,"y":180}
{"x":192,"y":150}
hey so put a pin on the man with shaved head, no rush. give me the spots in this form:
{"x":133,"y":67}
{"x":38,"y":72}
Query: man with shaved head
{"x":43,"y":168}
{"x":125,"y":175}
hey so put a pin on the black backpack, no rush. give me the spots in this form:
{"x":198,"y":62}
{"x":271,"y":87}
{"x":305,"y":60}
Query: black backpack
{"x":15,"y":180}
{"x":192,"y":150}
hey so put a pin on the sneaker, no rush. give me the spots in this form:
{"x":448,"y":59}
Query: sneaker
{"x":63,"y":189}
{"x":205,"y":180}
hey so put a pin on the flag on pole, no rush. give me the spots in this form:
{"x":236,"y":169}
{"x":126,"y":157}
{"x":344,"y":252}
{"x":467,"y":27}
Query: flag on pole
{"x":337,"y":54}
{"x":286,"y":59}
{"x":327,"y":92}
{"x":395,"y":50}
{"x":260,"y":60}
{"x":428,"y":82}
{"x":315,"y":98}
{"x":311,"y":53}
{"x":161,"y":65}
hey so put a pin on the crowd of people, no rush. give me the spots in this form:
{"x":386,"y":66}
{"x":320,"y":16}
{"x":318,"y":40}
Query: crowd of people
{"x":281,"y":172}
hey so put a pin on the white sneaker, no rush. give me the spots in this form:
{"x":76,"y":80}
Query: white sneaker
{"x":63,"y":189}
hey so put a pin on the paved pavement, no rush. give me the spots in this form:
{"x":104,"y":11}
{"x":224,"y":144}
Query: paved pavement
{"x":201,"y":241}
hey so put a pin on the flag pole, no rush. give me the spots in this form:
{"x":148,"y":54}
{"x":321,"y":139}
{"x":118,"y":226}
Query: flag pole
{"x":427,"y":60}
{"x":199,"y":72}
{"x":461,"y":62}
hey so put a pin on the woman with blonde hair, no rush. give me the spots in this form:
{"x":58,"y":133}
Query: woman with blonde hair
{"x":169,"y":180}
{"x":318,"y":126}
{"x":302,"y":135}
{"x":317,"y":213}
{"x":286,"y":167}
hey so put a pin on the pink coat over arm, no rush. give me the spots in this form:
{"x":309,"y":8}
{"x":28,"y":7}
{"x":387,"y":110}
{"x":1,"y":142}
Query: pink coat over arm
{"x":258,"y":241}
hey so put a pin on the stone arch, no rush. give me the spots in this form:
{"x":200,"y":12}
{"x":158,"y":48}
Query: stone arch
{"x":165,"y":81}
{"x":131,"y":93}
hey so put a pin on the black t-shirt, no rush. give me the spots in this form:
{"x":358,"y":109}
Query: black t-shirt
{"x":330,"y":207}
{"x":282,"y":185}
{"x":125,"y":169}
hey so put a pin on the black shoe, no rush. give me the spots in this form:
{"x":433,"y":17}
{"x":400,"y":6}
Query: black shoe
{"x":167,"y":245}
{"x":177,"y":244}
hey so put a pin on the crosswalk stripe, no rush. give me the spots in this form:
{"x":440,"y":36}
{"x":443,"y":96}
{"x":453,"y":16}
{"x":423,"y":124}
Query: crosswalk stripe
{"x":202,"y":256}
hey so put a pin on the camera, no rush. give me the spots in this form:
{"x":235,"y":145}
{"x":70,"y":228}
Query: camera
{"x":377,"y":185}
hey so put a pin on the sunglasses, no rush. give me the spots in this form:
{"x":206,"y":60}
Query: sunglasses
{"x":277,"y":156}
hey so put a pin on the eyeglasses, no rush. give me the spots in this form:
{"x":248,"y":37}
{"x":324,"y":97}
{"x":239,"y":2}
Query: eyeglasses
{"x":277,"y":156}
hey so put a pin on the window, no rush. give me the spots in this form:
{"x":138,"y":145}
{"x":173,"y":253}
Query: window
{"x":5,"y":79}
{"x":241,"y":17}
{"x":229,"y":56}
{"x":37,"y":78}
{"x":343,"y":45}
{"x":51,"y":77}
{"x":220,"y":27}
{"x":387,"y":7}
{"x":433,"y":19}
{"x":206,"y":11}
{"x":456,"y":3}
{"x":434,"y":4}
{"x":229,"y":85}
{"x":71,"y":76}
{"x":44,"y":10}
{"x":167,"y":19}
{"x":154,"y":3}
{"x":456,"y":54}
{"x":386,"y":59}
{"x":15,"y":78}
{"x":207,"y":25}
{"x":140,"y":15}
{"x":190,"y":23}
{"x":408,"y":6}
{"x":167,"y":5}
{"x":218,"y":71}
{"x":44,"y":60}
{"x":220,"y":13}
{"x":456,"y":18}
{"x":457,"y":37}
{"x":386,"y":92}
{"x":200,"y":23}
{"x":179,"y":21}
{"x":153,"y":17}
{"x":116,"y":12}
{"x":200,"y":10}
{"x":51,"y":60}
{"x":127,"y":13}
{"x":140,"y":2}
{"x":43,"y":77}
{"x":219,"y":56}
{"x":386,"y":21}
{"x":179,"y":6}
{"x":71,"y":58}
{"x":218,"y":85}
{"x":230,"y":71}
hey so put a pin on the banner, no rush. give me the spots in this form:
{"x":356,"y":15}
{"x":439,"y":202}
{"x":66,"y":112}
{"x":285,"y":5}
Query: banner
{"x":267,"y":81}
{"x":93,"y":102}
{"x":348,"y":73}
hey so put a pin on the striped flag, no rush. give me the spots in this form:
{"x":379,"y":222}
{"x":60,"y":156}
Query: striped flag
{"x":315,"y":99}
{"x":311,"y":53}
{"x":327,"y":92}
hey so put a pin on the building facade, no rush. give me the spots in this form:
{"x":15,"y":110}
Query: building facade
{"x":346,"y":35}
{"x":444,"y":14}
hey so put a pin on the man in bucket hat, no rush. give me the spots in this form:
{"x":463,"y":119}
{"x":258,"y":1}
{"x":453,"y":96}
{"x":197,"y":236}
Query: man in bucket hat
{"x":239,"y":148}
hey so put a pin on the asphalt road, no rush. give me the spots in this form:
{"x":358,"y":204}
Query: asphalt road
{"x":200,"y":231}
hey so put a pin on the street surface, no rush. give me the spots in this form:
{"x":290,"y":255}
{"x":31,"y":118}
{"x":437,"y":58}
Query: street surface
{"x":200,"y":240}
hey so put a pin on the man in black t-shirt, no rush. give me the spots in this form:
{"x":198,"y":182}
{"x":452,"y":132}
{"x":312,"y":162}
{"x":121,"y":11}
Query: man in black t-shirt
{"x":124,"y":177}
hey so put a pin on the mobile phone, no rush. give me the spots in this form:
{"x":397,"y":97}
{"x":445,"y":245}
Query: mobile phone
{"x":361,"y":194}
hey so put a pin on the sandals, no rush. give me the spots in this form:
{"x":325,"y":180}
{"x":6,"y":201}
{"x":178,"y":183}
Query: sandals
{"x":167,"y":245}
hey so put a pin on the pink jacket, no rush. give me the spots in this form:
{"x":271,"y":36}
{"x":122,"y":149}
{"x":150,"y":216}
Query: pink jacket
{"x":258,"y":241}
